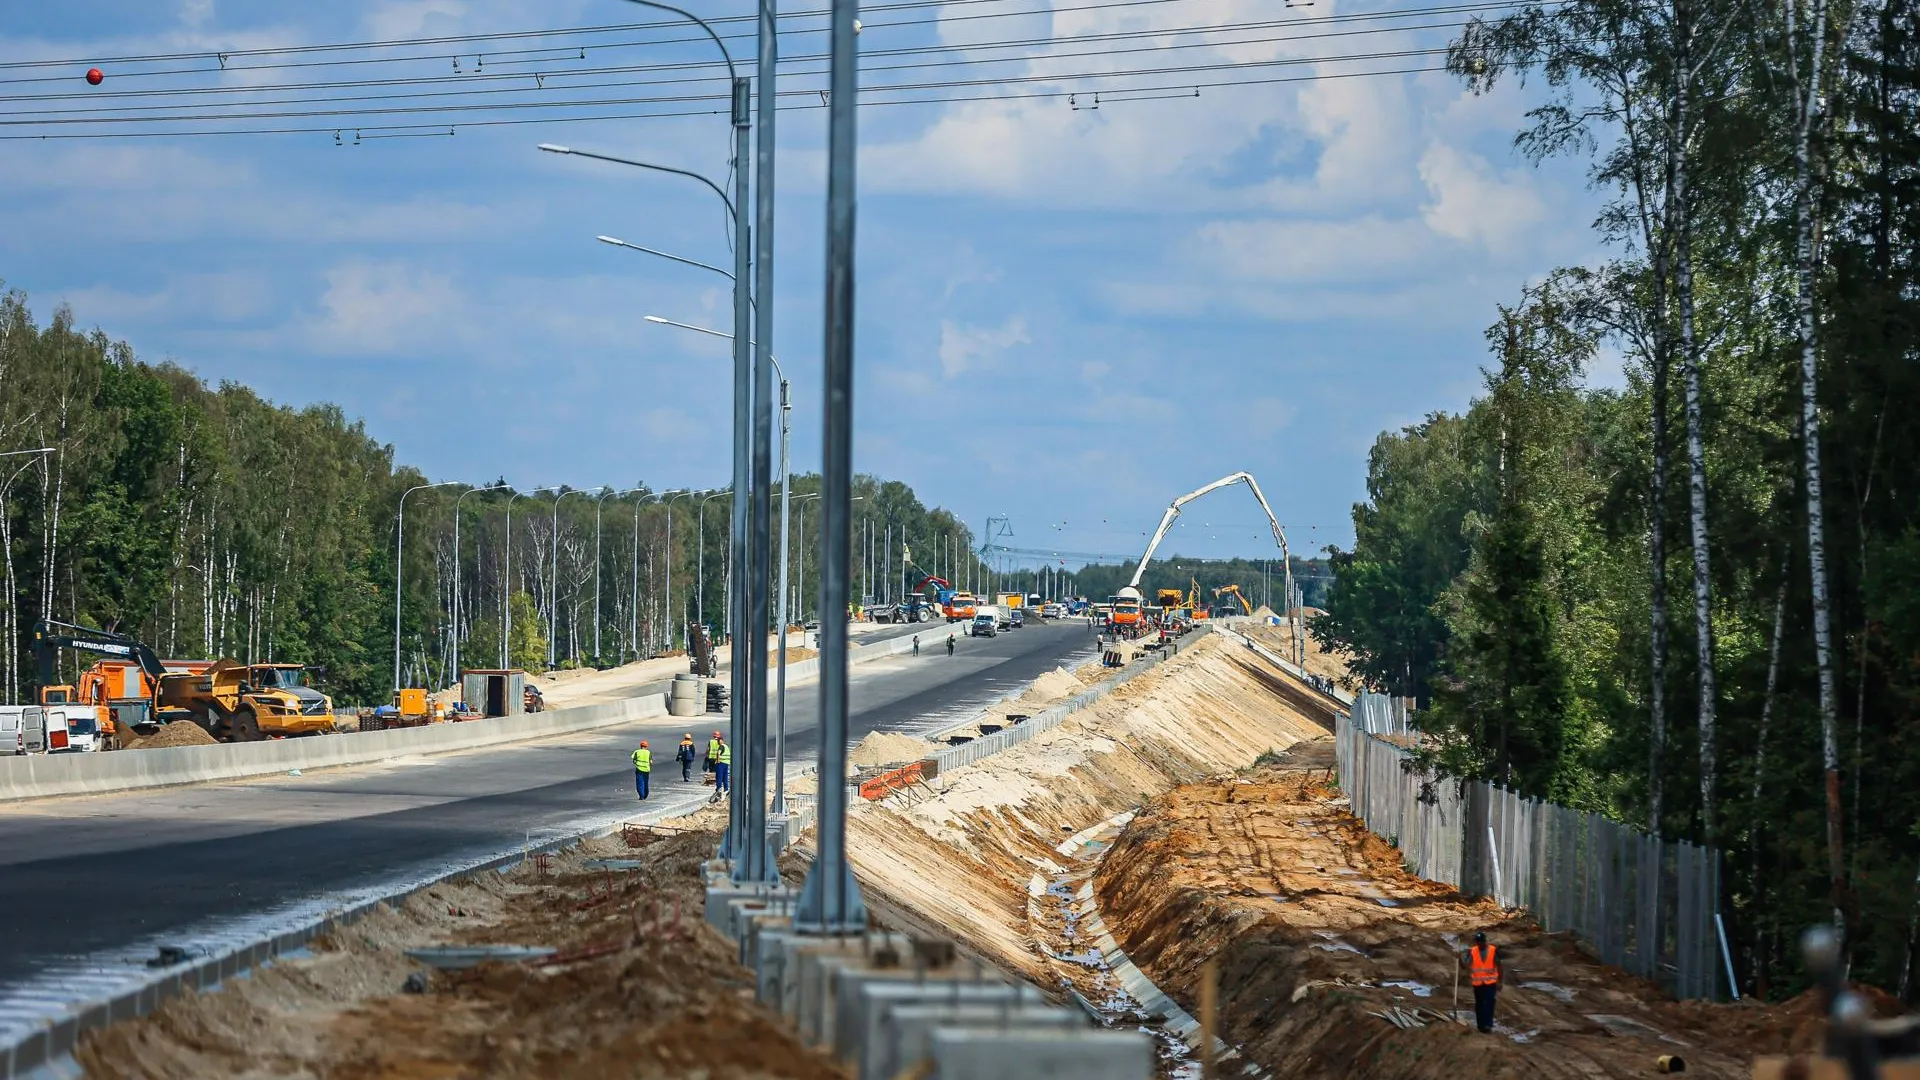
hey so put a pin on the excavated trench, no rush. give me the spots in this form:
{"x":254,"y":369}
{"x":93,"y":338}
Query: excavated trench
{"x":960,"y":859}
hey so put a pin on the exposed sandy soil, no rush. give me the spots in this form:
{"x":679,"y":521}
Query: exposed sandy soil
{"x":178,"y":733}
{"x":639,"y":988}
{"x":888,"y":748}
{"x":956,"y":858}
{"x":1319,"y":661}
{"x":1317,"y":928}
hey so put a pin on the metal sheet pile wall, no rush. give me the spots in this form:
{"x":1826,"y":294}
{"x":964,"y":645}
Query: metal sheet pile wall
{"x":1637,"y":902}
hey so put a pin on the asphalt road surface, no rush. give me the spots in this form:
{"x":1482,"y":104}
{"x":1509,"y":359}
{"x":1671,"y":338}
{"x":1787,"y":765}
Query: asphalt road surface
{"x":92,"y":883}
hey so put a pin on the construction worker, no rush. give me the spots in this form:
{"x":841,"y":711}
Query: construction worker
{"x":722,"y":766}
{"x":642,"y":769}
{"x":685,"y":756}
{"x":713,"y":751}
{"x":1483,"y":970}
{"x":916,"y":644}
{"x":949,"y":644}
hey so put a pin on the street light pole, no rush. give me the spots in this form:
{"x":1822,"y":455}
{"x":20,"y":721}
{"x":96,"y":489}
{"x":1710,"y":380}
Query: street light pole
{"x":506,"y":598}
{"x":399,"y":542}
{"x":671,"y":615}
{"x":830,"y":900}
{"x":458,"y":499}
{"x":553,"y":586}
{"x":598,"y":502}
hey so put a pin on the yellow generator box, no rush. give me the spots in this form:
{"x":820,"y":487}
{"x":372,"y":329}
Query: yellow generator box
{"x":411,"y":701}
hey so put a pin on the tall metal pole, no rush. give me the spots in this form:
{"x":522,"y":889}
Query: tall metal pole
{"x":456,"y":571}
{"x":742,"y":455}
{"x":830,"y":902}
{"x":786,"y":493}
{"x":399,"y":544}
{"x":758,"y":865}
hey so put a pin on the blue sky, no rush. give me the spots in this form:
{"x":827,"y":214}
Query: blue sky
{"x":1067,"y":316}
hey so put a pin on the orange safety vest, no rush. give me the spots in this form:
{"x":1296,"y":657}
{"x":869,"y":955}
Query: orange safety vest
{"x":1482,"y":966}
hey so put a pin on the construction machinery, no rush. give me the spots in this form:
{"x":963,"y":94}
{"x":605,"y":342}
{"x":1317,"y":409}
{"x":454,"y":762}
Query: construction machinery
{"x":1132,"y":588}
{"x":961,"y":607}
{"x":119,"y":690}
{"x":226,"y":701}
{"x":1219,"y":608}
{"x":1169,"y":600}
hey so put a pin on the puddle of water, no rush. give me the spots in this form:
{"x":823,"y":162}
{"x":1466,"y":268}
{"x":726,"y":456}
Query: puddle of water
{"x":1524,"y":1036}
{"x":1565,"y":995}
{"x":1416,"y":988}
{"x":1337,"y":946}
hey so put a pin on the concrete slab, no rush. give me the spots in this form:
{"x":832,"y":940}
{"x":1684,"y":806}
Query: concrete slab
{"x":907,"y":1034}
{"x":856,"y":1012}
{"x":961,"y":1053}
{"x":819,"y":965}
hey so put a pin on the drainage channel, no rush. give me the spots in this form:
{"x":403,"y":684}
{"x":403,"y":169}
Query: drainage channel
{"x":1092,"y":967}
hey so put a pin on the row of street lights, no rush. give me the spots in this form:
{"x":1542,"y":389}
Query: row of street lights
{"x":666,"y":498}
{"x":830,"y":902}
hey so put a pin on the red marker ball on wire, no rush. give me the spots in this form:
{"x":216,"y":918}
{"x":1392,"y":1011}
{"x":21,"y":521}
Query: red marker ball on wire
{"x":95,"y":76}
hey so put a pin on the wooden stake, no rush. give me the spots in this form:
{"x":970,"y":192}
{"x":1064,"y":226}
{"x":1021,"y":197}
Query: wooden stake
{"x":1209,"y":1017}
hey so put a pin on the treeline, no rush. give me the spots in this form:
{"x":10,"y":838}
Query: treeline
{"x":211,"y":523}
{"x":1261,"y":581}
{"x":1693,"y":604}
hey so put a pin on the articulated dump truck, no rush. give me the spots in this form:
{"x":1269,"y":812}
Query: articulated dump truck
{"x":238,"y":703}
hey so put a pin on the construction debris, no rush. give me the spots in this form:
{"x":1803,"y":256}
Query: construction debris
{"x":634,"y":984}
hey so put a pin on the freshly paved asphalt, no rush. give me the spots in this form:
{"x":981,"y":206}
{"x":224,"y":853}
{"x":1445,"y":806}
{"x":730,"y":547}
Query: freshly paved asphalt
{"x":92,"y":875}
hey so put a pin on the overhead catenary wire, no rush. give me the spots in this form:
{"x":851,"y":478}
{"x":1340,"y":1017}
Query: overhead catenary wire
{"x":682,"y":99}
{"x":328,"y":129}
{"x":557,"y":84}
{"x":223,"y":57}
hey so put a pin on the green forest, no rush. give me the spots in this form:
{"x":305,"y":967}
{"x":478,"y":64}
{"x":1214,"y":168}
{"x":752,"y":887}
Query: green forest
{"x":1693,"y":604}
{"x":210,"y":523}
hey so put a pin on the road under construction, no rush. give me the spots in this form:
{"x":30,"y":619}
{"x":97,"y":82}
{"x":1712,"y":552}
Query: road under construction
{"x":1178,"y":842}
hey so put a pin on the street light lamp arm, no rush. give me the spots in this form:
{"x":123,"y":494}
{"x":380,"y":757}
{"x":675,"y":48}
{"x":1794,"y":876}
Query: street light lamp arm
{"x":698,"y":21}
{"x":617,"y":242}
{"x":715,"y":188}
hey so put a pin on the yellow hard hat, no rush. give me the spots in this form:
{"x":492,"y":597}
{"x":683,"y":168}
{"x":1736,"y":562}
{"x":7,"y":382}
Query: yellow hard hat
{"x":688,"y":735}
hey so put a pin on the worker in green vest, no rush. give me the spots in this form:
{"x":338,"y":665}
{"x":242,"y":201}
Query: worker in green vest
{"x":722,"y":767}
{"x":642,"y":767}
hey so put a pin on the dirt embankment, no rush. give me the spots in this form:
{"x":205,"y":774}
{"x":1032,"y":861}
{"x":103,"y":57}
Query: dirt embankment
{"x":1319,"y":661}
{"x":1318,"y":931}
{"x":956,"y":858}
{"x":633,"y":991}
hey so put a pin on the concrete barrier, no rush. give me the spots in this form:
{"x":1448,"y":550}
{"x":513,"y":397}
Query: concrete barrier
{"x":53,"y":775}
{"x":46,"y":776}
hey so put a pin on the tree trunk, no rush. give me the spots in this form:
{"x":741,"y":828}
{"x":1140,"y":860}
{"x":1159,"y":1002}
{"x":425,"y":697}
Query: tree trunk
{"x":1696,"y":465}
{"x":1759,"y":818}
{"x":1811,"y":101}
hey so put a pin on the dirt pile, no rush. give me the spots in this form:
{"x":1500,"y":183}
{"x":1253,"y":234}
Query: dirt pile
{"x":1321,"y":936}
{"x":178,"y":733}
{"x":637,"y":988}
{"x":956,"y":858}
{"x":888,"y":748}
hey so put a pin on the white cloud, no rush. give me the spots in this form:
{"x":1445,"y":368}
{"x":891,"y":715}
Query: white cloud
{"x":195,"y":12}
{"x":387,"y":309}
{"x":1469,"y":202}
{"x":962,"y":346}
{"x":1370,"y":250}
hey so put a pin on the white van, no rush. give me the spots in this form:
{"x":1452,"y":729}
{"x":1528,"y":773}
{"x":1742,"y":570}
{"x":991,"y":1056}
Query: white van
{"x":48,"y":729}
{"x":12,"y":729}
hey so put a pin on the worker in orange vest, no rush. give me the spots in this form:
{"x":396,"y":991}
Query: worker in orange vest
{"x":1484,"y":970}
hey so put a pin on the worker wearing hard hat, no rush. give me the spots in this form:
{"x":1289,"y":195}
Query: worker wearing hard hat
{"x":713,"y":751}
{"x":722,"y":766}
{"x":685,"y":756}
{"x":1483,"y":970}
{"x":642,"y":769}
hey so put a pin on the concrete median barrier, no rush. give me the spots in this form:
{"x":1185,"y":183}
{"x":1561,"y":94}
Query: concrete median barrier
{"x":46,"y":776}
